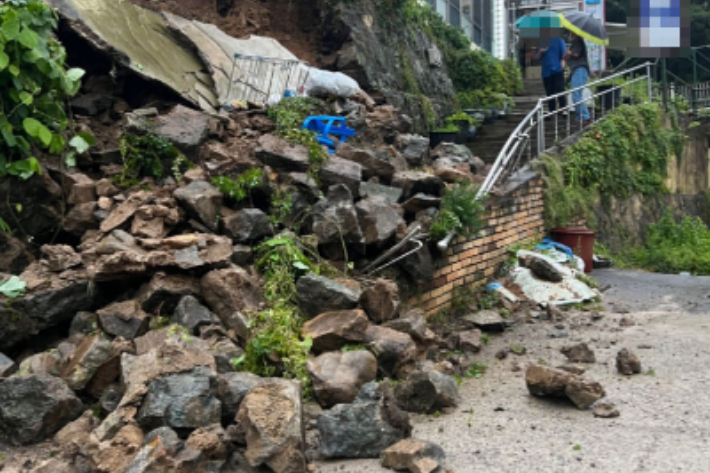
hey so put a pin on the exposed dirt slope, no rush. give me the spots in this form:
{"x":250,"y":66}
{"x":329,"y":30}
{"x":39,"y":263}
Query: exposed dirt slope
{"x":292,"y":22}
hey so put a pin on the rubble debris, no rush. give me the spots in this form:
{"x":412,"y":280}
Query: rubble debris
{"x":318,"y":294}
{"x":372,"y":164}
{"x":191,"y":314}
{"x":231,"y":390}
{"x":124,"y":319}
{"x":164,"y":291}
{"x":202,"y":200}
{"x":573,"y":368}
{"x":381,"y":301}
{"x":469,"y":341}
{"x":579,"y":353}
{"x":488,"y":320}
{"x":546,"y":381}
{"x":416,"y":182}
{"x":232,"y":293}
{"x":413,"y":323}
{"x":270,"y":422}
{"x":369,"y":189}
{"x":181,"y":401}
{"x":338,"y":376}
{"x":543,"y":266}
{"x":335,"y":222}
{"x":337,"y":171}
{"x":606,"y":410}
{"x":364,"y":428}
{"x":89,"y":356}
{"x":415,"y":149}
{"x":36,"y":406}
{"x":334,"y":330}
{"x":627,"y":363}
{"x":426,"y":392}
{"x":282,"y":156}
{"x":394,"y":350}
{"x":248,"y":225}
{"x":416,"y":456}
{"x":379,"y":221}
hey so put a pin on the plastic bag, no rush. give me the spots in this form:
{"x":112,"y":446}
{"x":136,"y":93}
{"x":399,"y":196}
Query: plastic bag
{"x":325,"y":83}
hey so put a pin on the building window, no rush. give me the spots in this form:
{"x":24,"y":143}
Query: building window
{"x":454,"y":16}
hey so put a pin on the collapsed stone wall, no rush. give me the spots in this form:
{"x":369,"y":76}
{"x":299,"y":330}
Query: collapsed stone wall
{"x":512,"y":218}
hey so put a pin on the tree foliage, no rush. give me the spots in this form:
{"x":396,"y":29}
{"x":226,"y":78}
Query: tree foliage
{"x":34,"y":84}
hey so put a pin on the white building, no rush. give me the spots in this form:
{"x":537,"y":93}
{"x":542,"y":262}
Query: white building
{"x":485,"y":22}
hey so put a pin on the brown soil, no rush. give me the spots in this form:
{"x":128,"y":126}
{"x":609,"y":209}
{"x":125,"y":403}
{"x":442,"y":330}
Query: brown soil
{"x":292,"y":22}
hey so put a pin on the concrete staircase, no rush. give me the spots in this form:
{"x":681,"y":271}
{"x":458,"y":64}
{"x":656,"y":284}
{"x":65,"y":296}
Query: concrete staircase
{"x":493,"y":136}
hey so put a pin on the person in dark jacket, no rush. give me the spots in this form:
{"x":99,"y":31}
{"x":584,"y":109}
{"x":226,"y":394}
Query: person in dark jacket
{"x":553,"y":71}
{"x":579,"y":71}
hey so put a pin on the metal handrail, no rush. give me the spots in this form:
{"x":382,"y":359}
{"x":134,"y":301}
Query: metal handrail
{"x":537,"y":117}
{"x":414,"y":236}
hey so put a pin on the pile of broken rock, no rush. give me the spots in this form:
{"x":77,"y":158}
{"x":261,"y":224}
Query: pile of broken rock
{"x":121,"y":349}
{"x":138,"y":299}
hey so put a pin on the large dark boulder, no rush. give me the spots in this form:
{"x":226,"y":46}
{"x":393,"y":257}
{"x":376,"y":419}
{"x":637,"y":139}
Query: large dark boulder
{"x":379,"y":220}
{"x":335,"y":222}
{"x":338,"y":376}
{"x":364,"y":428}
{"x":34,"y":407}
{"x":181,"y":401}
{"x":318,"y":294}
{"x":426,"y":392}
{"x":50,"y":301}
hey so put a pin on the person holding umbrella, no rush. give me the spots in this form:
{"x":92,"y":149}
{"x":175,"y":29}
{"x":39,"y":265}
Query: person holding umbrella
{"x":582,"y":26}
{"x":579,"y":72}
{"x":553,"y":71}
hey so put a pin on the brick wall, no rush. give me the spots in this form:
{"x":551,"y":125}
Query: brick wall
{"x":513,"y":218}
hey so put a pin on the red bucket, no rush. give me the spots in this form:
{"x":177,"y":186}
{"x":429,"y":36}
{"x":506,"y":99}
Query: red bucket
{"x":580,"y":240}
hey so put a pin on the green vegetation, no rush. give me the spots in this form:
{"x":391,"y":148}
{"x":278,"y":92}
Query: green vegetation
{"x":289,"y":115}
{"x":469,"y":70}
{"x":674,"y":247}
{"x":239,"y":188}
{"x":477,"y":370}
{"x":626,"y":153}
{"x":588,"y":280}
{"x":460,"y":117}
{"x":275,"y":346}
{"x":459,"y":210}
{"x":34,"y":85}
{"x":449,"y":128}
{"x":149,"y":155}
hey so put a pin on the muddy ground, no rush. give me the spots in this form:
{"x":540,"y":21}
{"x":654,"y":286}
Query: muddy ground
{"x":665,"y":413}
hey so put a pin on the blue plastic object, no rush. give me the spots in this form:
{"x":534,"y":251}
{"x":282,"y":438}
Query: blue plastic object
{"x":330,"y":131}
{"x":548,"y":244}
{"x":494,"y":286}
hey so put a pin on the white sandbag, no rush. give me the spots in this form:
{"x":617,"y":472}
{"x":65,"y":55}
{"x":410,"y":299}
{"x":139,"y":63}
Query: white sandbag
{"x":326,"y":83}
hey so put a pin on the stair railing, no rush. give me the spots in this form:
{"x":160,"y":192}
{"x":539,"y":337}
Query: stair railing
{"x":542,"y":127}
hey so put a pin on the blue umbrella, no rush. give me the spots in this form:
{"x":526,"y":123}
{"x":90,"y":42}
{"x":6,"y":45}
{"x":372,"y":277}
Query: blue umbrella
{"x":539,"y":19}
